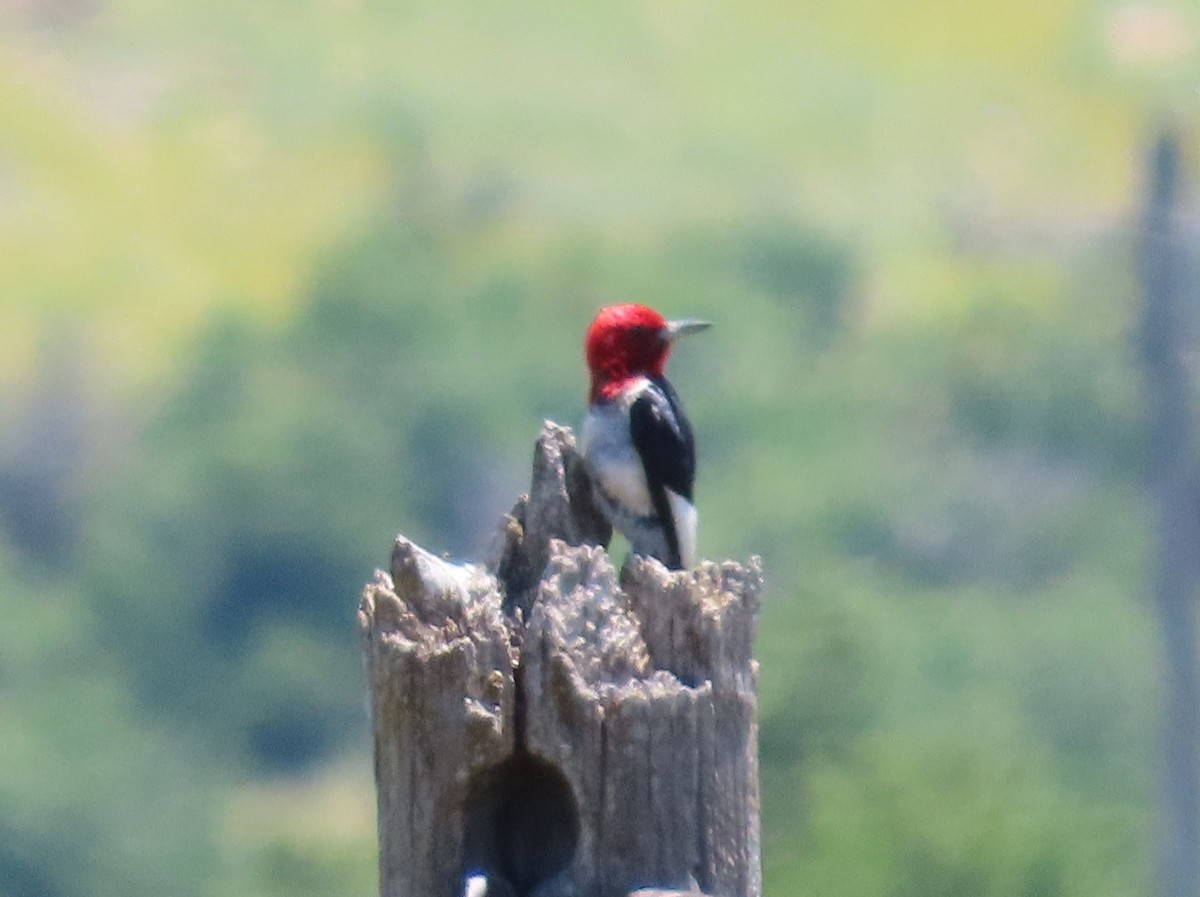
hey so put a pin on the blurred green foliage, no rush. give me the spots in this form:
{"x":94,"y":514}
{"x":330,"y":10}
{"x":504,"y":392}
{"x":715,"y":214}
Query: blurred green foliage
{"x":277,"y":284}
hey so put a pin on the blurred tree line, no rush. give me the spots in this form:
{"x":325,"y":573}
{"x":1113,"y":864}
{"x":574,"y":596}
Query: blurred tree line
{"x":956,"y":683}
{"x":278,"y":282}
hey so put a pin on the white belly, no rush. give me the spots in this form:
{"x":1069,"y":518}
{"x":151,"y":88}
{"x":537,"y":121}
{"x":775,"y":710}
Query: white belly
{"x":612,"y":460}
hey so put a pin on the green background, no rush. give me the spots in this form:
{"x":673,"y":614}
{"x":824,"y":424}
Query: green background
{"x":280,"y":280}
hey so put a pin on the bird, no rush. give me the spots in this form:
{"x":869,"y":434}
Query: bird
{"x":637,"y":443}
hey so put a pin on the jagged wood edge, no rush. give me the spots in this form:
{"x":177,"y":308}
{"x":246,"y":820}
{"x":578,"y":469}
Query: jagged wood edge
{"x":425,"y":600}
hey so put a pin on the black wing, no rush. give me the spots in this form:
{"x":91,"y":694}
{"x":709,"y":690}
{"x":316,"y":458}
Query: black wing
{"x":663,"y":439}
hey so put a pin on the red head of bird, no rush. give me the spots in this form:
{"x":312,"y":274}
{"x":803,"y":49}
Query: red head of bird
{"x":629,"y":341}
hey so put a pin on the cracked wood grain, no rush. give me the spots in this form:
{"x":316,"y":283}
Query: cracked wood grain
{"x":557,"y":726}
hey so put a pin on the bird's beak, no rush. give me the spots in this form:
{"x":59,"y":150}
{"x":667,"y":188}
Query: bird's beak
{"x":683,"y":328}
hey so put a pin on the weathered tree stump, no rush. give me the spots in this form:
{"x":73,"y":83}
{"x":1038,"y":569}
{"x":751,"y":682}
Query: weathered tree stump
{"x":557,"y":729}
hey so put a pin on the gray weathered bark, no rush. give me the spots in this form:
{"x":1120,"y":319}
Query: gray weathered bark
{"x":562,"y":730}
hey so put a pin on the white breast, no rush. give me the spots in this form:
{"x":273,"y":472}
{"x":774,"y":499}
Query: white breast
{"x":609,"y":453}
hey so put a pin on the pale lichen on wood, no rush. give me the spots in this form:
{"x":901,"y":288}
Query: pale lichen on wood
{"x":557,"y":727}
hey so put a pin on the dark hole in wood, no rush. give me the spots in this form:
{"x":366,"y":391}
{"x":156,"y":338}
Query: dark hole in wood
{"x":522,"y":824}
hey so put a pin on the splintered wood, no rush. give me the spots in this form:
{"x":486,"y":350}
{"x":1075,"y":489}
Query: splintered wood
{"x":546,"y":728}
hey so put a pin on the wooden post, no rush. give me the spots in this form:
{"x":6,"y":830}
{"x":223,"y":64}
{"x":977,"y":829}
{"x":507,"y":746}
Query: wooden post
{"x":1169,"y":398}
{"x":557,"y":728}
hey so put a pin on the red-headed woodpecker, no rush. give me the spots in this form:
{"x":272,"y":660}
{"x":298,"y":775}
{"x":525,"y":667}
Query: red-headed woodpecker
{"x":637,"y":442}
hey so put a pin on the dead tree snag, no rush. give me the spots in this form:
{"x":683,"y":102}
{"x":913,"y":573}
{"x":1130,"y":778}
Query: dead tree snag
{"x":561,"y":729}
